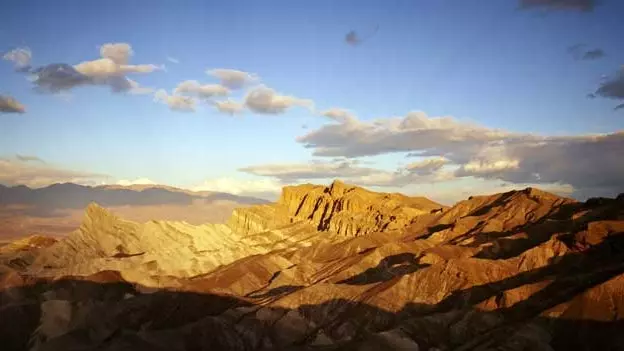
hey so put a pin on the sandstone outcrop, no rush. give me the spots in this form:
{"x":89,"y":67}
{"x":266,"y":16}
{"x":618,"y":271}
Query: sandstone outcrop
{"x":339,"y":208}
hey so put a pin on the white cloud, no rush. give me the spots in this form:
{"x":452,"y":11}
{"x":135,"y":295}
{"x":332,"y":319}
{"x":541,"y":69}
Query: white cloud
{"x":414,"y":132}
{"x":14,"y":171}
{"x":193,"y":87}
{"x":229,"y":106}
{"x":262,"y":188}
{"x":427,"y":166}
{"x":176,"y":102}
{"x":232,"y":78}
{"x":265,"y":100}
{"x":105,"y":68}
{"x":428,"y":172}
{"x":119,"y":53}
{"x":20,"y":57}
{"x":110,"y":70}
{"x":173,"y":60}
{"x":114,"y":62}
{"x":339,"y":115}
{"x":10,"y":105}
{"x":138,"y":181}
{"x":584,"y":162}
{"x":485,"y":167}
{"x":288,"y":173}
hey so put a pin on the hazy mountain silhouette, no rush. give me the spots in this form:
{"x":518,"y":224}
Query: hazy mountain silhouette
{"x":44,"y":201}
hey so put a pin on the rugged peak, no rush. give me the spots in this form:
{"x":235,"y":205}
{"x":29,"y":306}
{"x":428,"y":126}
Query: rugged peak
{"x":351,"y":210}
{"x":94,"y":211}
{"x":338,"y":188}
{"x":538,"y":193}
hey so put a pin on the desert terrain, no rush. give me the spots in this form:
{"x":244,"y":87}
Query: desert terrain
{"x":328,"y":268}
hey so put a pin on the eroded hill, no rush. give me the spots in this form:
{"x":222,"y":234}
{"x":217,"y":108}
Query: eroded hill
{"x":330,"y":268}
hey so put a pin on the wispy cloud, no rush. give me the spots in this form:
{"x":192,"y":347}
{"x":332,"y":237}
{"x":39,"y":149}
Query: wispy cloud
{"x":193,"y":87}
{"x":176,"y":102}
{"x":230,"y":107}
{"x":571,"y":5}
{"x":173,"y":60}
{"x":10,"y":105}
{"x":14,"y":171}
{"x":265,"y":100}
{"x":354,"y":37}
{"x":138,"y":181}
{"x":233,"y":79}
{"x":612,"y":87}
{"x":427,"y":171}
{"x":20,"y":57}
{"x":581,"y":52}
{"x":339,"y":114}
{"x":262,"y":188}
{"x":27,"y":158}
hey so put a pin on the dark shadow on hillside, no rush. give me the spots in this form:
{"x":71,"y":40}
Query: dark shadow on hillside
{"x":560,"y":220}
{"x":276,"y":292}
{"x":44,"y":202}
{"x":388,"y":268}
{"x":117,"y":316}
{"x":499,"y":202}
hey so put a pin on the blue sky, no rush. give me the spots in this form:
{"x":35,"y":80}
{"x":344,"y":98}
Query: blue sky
{"x":493,"y":65}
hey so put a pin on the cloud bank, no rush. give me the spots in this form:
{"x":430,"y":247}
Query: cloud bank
{"x":16,"y":171}
{"x":585,"y":162}
{"x":138,"y":181}
{"x":261,"y":188}
{"x":426,"y":171}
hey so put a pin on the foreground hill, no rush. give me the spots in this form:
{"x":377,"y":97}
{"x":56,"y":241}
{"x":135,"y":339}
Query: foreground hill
{"x":57,"y":209}
{"x":329,"y":268}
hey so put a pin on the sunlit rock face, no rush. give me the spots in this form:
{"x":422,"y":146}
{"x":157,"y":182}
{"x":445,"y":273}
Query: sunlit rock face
{"x":332,"y":268}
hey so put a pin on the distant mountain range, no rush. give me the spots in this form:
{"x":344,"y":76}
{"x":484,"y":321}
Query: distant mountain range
{"x":75,"y":196}
{"x":58,"y":209}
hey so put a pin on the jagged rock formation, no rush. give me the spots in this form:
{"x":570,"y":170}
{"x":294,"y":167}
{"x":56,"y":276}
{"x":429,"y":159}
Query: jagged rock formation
{"x":523,"y":270}
{"x":158,"y":248}
{"x":343,"y":209}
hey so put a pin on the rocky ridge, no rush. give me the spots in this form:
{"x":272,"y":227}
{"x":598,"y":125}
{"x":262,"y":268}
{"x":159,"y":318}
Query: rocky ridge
{"x":522,"y":270}
{"x":339,"y":208}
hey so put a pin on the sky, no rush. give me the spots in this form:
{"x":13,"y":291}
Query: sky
{"x":444,"y":99}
